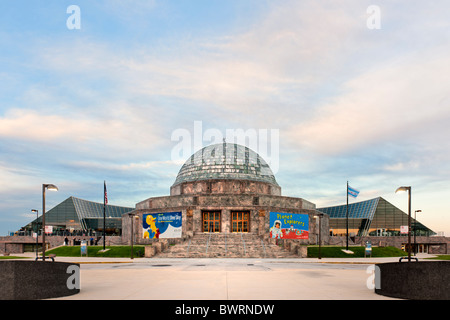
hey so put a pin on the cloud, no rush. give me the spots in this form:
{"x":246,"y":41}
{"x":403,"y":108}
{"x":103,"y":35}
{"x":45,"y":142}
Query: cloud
{"x":386,"y":103}
{"x":104,"y":101}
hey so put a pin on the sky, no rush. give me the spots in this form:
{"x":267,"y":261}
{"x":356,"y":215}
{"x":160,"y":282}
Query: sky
{"x":355,"y":91}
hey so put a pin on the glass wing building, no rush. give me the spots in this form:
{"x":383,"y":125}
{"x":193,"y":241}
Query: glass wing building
{"x":375,"y":217}
{"x":74,"y":214}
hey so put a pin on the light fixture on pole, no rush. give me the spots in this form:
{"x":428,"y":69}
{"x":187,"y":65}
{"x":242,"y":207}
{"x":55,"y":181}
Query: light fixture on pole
{"x":319,"y":215}
{"x":415,"y":227}
{"x":45,"y":187}
{"x":409,"y":218}
{"x":37,"y":230}
{"x":133,"y":217}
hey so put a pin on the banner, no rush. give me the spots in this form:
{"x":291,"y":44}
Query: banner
{"x":289,"y":225}
{"x":403,"y":229}
{"x":162,"y":225}
{"x":48,"y":229}
{"x":83,"y":248}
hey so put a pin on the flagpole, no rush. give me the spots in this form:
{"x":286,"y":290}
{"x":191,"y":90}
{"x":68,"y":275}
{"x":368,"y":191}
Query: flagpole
{"x":347,"y":218}
{"x":104,"y":214}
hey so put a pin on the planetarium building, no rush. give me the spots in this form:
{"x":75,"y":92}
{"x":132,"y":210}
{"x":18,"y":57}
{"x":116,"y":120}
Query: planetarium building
{"x":224,"y":191}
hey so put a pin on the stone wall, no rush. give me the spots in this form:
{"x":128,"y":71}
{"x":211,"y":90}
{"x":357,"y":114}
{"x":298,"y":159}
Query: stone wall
{"x":191,"y":206}
{"x":426,"y":280}
{"x":217,"y":186}
{"x":15,"y":244}
{"x":26,"y":280}
{"x":435,"y":245}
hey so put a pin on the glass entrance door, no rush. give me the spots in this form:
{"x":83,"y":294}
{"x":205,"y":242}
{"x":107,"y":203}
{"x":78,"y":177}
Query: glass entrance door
{"x":211,"y":221}
{"x":240,"y":221}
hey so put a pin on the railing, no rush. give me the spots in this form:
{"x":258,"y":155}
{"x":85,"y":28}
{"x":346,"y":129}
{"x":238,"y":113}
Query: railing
{"x":189,"y":246}
{"x":243,"y":242}
{"x":264,"y":247}
{"x":207,"y":244}
{"x":78,"y":233}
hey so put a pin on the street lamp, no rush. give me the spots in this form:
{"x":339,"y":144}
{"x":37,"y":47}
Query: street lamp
{"x":37,"y":229}
{"x":415,"y":226}
{"x":45,"y":187}
{"x":319,"y":215}
{"x":133,"y":217}
{"x":409,"y":218}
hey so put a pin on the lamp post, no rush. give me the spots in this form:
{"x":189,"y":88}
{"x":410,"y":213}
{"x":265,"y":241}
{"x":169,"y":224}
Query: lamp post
{"x":132,"y":216}
{"x":45,"y":187}
{"x":319,"y":215}
{"x":37,"y":229}
{"x":415,"y":225}
{"x":409,"y":218}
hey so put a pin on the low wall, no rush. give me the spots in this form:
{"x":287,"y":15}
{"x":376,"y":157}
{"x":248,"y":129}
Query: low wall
{"x":30,"y":280}
{"x":15,"y":244}
{"x":423,"y":280}
{"x":435,"y":244}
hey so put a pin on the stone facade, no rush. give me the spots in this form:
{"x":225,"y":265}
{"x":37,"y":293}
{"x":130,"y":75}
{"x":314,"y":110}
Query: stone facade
{"x":210,"y":182}
{"x":259,"y":207}
{"x":225,"y":187}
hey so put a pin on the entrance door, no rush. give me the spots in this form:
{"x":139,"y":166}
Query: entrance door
{"x":211,"y":221}
{"x":240,"y":221}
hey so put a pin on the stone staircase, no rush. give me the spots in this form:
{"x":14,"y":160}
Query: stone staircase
{"x":221,"y":245}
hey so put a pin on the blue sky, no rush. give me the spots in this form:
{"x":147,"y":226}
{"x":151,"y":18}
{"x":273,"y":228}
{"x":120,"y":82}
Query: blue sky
{"x":369,"y":106}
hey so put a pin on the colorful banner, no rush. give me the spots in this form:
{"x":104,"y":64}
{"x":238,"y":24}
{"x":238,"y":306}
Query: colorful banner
{"x":162,"y":225}
{"x":289,"y":225}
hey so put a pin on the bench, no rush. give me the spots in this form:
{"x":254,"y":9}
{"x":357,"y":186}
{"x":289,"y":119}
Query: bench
{"x":51,"y":256}
{"x":400,"y":260}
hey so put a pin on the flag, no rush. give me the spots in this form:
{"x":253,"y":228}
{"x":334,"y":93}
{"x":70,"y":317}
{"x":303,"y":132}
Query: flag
{"x":352,"y":191}
{"x":106,"y":194}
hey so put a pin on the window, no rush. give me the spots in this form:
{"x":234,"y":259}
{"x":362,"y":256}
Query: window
{"x":240,"y":221}
{"x":211,"y":221}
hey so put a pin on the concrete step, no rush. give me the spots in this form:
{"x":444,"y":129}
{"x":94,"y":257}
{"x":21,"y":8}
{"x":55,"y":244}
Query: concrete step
{"x":225,"y":245}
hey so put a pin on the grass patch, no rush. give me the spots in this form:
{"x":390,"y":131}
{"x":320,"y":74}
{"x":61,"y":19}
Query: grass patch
{"x":358,"y":252}
{"x":441,"y":257}
{"x":12,"y":257}
{"x":94,"y":251}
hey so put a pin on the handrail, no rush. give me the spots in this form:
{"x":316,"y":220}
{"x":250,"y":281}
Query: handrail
{"x":225,"y":244}
{"x":264,"y":247}
{"x":207,"y":244}
{"x":189,"y":246}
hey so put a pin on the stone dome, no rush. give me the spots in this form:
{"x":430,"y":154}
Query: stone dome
{"x":225,"y":161}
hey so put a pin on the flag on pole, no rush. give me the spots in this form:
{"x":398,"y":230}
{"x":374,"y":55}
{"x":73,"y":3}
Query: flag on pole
{"x":106,"y":194}
{"x":352,"y":192}
{"x":105,"y":202}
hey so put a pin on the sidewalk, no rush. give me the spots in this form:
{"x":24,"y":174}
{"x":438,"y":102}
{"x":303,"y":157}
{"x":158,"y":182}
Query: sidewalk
{"x":94,"y":260}
{"x":224,"y":278}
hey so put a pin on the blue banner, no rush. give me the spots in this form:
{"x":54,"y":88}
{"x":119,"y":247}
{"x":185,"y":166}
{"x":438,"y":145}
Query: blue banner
{"x":162,"y":225}
{"x":289,"y":225}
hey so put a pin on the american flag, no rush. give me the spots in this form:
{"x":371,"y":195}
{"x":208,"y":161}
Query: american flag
{"x":106,"y":194}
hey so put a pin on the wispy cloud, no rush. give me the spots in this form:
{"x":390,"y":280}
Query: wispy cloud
{"x":348,"y":101}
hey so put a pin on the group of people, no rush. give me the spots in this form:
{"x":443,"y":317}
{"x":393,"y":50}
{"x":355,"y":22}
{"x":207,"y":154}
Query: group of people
{"x":77,"y":242}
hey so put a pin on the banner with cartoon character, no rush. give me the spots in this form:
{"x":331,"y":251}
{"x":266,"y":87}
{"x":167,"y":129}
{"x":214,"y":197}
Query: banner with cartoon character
{"x":289,"y":225}
{"x":162,"y":225}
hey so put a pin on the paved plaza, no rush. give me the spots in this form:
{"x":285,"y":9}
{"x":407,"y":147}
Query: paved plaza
{"x":217,"y":279}
{"x":225,"y":279}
